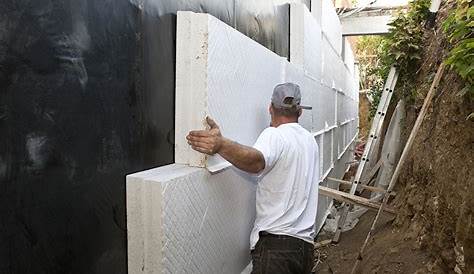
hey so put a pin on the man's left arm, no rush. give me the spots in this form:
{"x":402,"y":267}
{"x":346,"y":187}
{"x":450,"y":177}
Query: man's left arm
{"x":211,"y":142}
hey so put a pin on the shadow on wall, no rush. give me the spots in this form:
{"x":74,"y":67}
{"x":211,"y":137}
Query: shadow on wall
{"x":87,"y":96}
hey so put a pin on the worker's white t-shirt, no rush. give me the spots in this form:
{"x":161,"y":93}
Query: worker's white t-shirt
{"x":287,"y":190}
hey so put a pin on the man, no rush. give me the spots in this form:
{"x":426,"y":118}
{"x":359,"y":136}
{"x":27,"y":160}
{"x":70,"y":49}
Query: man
{"x":287,"y":158}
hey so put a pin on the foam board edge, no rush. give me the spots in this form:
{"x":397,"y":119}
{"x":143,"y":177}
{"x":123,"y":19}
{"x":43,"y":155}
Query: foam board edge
{"x":144,"y":216}
{"x":135,"y":241}
{"x":297,"y":34}
{"x":191,"y":83}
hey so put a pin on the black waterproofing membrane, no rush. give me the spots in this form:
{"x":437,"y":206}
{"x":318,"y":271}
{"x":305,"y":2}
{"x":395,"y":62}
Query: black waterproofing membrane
{"x":86,"y":97}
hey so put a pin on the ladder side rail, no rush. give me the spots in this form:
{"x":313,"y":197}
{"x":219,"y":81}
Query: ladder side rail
{"x":376,"y":126}
{"x":377,"y":133}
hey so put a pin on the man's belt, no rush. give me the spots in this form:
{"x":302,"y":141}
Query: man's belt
{"x":266,"y":234}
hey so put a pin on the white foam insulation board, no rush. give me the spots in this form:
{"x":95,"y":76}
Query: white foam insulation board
{"x":226,"y":75}
{"x":331,"y":25}
{"x":324,"y":110}
{"x":305,"y":41}
{"x":182,"y":219}
{"x":330,"y":65}
{"x":327,"y":152}
{"x":348,"y":55}
{"x":319,"y":141}
{"x":316,"y":10}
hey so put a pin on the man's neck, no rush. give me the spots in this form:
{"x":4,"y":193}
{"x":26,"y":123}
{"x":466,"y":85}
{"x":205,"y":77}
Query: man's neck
{"x":283,"y":120}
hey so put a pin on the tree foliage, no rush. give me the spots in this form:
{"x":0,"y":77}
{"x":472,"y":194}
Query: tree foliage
{"x":406,"y":35}
{"x":459,"y":28}
{"x":401,"y":47}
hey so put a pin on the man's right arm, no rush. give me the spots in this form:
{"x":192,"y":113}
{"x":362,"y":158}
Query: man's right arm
{"x":243,"y":157}
{"x":211,"y":142}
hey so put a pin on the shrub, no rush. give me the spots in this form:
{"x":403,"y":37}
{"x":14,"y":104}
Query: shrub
{"x":458,"y":27}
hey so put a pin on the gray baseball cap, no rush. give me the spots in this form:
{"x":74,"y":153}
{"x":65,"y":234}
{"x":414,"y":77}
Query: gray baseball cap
{"x":287,"y":95}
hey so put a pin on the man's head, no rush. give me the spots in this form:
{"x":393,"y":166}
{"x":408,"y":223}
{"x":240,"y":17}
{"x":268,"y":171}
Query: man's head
{"x":285,"y":106}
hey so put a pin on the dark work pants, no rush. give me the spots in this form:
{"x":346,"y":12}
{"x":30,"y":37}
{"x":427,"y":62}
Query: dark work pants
{"x":280,"y":254}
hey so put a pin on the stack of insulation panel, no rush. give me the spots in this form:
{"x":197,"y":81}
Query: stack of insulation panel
{"x":196,"y":215}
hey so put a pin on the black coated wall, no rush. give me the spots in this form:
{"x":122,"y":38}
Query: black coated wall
{"x":86,"y":97}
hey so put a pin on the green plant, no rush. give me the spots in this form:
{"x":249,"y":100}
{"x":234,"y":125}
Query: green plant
{"x":373,"y":65}
{"x":401,"y":47}
{"x":459,"y":27}
{"x":405,"y":37}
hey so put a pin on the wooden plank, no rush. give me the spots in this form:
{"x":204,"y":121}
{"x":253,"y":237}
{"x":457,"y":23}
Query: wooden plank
{"x":322,"y":243}
{"x":350,"y":198}
{"x":366,"y":187}
{"x":339,"y":180}
{"x":416,"y":127}
{"x":372,"y":173}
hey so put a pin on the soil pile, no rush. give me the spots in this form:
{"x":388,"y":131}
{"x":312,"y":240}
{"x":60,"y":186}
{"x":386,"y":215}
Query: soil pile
{"x":436,"y":188}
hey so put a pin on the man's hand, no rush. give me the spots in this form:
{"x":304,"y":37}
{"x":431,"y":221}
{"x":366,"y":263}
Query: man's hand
{"x":211,"y":142}
{"x":206,"y":141}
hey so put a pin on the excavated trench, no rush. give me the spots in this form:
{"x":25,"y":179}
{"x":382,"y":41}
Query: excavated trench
{"x":433,"y":231}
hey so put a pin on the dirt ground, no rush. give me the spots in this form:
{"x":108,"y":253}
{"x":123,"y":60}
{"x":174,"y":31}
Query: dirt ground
{"x":387,"y":252}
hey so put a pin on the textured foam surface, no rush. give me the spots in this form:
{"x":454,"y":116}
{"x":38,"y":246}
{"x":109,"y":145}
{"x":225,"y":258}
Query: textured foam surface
{"x":335,"y":145}
{"x":316,"y":10}
{"x":327,"y":151}
{"x":185,"y":220}
{"x":348,"y":56}
{"x":191,"y":82}
{"x":319,"y":141}
{"x":326,"y":108}
{"x":305,"y":40}
{"x":230,"y":77}
{"x":234,"y":87}
{"x":328,"y":77}
{"x":331,"y":25}
{"x":332,"y":66}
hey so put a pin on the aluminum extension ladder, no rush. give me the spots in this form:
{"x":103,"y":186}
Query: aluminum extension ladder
{"x":373,"y":135}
